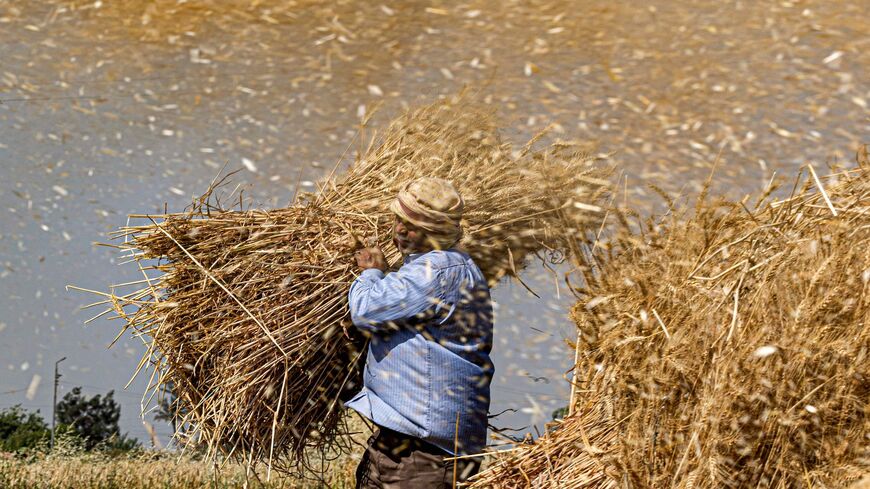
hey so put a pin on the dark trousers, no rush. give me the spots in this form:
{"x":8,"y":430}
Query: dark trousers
{"x":394,"y":460}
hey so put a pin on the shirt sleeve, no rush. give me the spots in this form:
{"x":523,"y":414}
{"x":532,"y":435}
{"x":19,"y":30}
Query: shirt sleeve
{"x":377,"y":300}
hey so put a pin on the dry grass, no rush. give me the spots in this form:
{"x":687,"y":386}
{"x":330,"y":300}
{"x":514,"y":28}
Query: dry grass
{"x":721,"y":346}
{"x":245,"y":313}
{"x":145,"y":471}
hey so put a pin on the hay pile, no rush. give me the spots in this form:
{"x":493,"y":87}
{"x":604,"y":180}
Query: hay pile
{"x":725,"y":347}
{"x":245,"y":318}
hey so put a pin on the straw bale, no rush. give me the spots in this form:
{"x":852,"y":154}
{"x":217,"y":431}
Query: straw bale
{"x":724,"y":345}
{"x":247,"y":315}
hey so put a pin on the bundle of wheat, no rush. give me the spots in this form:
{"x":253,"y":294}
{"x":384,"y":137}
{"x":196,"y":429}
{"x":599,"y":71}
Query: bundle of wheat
{"x":725,"y":348}
{"x":245,"y":320}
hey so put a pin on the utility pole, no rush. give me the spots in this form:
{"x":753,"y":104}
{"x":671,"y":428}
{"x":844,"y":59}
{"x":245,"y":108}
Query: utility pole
{"x":54,"y":401}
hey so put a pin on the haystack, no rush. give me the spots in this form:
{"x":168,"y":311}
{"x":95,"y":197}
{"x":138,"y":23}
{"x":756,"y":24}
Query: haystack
{"x":244,"y":312}
{"x":721,"y":346}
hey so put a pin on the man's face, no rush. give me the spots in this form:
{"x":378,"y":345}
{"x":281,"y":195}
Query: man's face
{"x":408,"y":238}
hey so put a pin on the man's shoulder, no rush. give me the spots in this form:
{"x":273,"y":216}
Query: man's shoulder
{"x":449,"y":259}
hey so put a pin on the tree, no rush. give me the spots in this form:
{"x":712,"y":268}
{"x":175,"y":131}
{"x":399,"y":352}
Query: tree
{"x":171,"y":410}
{"x":95,"y":419}
{"x":560,"y":413}
{"x":167,"y":406}
{"x":20,"y":429}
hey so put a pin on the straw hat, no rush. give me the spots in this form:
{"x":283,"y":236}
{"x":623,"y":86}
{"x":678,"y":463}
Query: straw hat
{"x":433,"y":205}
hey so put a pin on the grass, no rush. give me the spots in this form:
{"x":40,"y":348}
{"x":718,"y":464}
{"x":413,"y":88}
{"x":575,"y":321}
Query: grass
{"x":70,"y":466}
{"x":146,"y":470}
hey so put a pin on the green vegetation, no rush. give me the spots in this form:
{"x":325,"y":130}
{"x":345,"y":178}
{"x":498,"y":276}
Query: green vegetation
{"x":94,"y":420}
{"x":90,"y":423}
{"x":21,"y":430}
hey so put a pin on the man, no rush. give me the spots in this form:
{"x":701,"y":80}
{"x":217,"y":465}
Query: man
{"x":428,"y":370}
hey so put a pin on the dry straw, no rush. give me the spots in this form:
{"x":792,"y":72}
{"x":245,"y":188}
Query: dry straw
{"x":244,"y":312}
{"x":721,"y":346}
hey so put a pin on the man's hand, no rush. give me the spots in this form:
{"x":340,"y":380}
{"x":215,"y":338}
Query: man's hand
{"x":371,"y":258}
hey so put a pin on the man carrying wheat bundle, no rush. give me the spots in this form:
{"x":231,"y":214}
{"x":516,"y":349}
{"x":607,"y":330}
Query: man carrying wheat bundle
{"x":428,"y":370}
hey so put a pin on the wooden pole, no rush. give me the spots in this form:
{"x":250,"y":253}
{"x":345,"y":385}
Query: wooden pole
{"x":54,"y":402}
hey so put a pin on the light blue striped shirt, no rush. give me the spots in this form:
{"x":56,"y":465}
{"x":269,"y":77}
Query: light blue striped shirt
{"x":428,"y":359}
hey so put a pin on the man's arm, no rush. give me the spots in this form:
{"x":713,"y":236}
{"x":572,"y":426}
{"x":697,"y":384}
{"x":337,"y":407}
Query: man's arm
{"x":377,"y":299}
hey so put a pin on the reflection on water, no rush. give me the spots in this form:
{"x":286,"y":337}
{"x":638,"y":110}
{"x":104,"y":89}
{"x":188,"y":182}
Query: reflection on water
{"x":108,"y":108}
